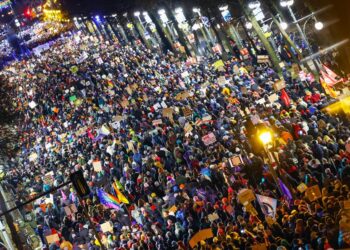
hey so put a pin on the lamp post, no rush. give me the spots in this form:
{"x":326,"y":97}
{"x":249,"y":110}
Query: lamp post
{"x":266,"y":139}
{"x":288,"y":4}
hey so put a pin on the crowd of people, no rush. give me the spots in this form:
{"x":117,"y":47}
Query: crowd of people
{"x":176,"y":142}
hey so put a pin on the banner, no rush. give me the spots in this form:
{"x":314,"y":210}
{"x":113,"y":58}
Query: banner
{"x":209,"y":139}
{"x":268,"y":205}
{"x":201,"y":235}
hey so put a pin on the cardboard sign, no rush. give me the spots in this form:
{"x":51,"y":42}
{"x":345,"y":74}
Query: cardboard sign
{"x":255,"y":119}
{"x":209,"y":139}
{"x":221,"y":80}
{"x":71,"y":209}
{"x":173,"y":209}
{"x":188,"y":128}
{"x":52,"y":238}
{"x":279,"y":85}
{"x":107,"y":227}
{"x":182,"y":96}
{"x":346,"y":204}
{"x":251,"y":209}
{"x":187,"y":111}
{"x":273,"y":98}
{"x":235,"y":161}
{"x":302,"y":187}
{"x":245,"y":196}
{"x":201,"y":235}
{"x":213,"y":217}
{"x":263,"y":59}
{"x":157,"y":122}
{"x":97,"y":166}
{"x":218,"y":65}
{"x":261,"y":246}
{"x":124,"y":103}
{"x":313,"y":193}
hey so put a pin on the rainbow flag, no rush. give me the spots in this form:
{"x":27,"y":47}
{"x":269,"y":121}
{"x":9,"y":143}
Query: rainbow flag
{"x":108,"y":200}
{"x":120,"y":195}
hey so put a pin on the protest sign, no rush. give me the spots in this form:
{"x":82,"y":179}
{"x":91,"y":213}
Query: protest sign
{"x":279,"y":85}
{"x":157,"y":122}
{"x":188,"y":128}
{"x":201,"y":235}
{"x":129,"y":90}
{"x":182,"y":95}
{"x":261,"y":246}
{"x":70,"y":209}
{"x":313,"y":193}
{"x":302,"y":187}
{"x":32,"y":104}
{"x":97,"y":166}
{"x":187,"y":111}
{"x":52,"y":238}
{"x":209,"y":139}
{"x":263,"y":59}
{"x":213,"y":217}
{"x":235,"y":161}
{"x":48,"y":178}
{"x":251,"y":209}
{"x":268,"y":205}
{"x":255,"y":119}
{"x":245,"y":196}
{"x":221,"y":80}
{"x":107,"y":227}
{"x":273,"y":98}
{"x":218,"y":65}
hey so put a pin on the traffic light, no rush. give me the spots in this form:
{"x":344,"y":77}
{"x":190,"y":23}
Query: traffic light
{"x":79,"y":184}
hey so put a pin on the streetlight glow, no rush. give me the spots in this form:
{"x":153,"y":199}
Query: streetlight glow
{"x":319,"y":25}
{"x":161,"y":12}
{"x":196,"y":10}
{"x":254,"y":5}
{"x":265,"y":138}
{"x":223,"y":8}
{"x":287,"y":3}
{"x":137,"y":13}
{"x":249,"y":25}
{"x":284,"y":25}
{"x":178,"y":10}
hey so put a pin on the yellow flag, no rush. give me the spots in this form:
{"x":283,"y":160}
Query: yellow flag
{"x":120,"y":196}
{"x":328,"y":89}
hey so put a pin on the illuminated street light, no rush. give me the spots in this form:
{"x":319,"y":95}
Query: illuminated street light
{"x":319,"y":25}
{"x":284,"y":25}
{"x":223,"y":8}
{"x":265,"y":138}
{"x":137,"y":13}
{"x":254,"y":5}
{"x":178,"y":10}
{"x":287,"y":3}
{"x":161,"y":12}
{"x":249,"y":25}
{"x":197,"y":10}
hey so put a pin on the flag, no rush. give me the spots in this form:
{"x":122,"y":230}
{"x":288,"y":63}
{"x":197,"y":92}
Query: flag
{"x":268,"y":205}
{"x":64,"y":196}
{"x":120,"y":195}
{"x":108,"y":200}
{"x":328,"y":89}
{"x":285,"y":98}
{"x":332,"y":74}
{"x":286,"y":192}
{"x":119,"y":185}
{"x":330,"y":81}
{"x":206,"y":173}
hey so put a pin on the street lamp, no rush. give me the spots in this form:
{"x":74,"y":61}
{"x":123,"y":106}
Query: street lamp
{"x":223,"y":8}
{"x":287,"y":3}
{"x":319,"y":25}
{"x":284,"y":25}
{"x":265,"y":138}
{"x":254,"y":5}
{"x":249,"y":25}
{"x":197,"y":10}
{"x":137,"y":14}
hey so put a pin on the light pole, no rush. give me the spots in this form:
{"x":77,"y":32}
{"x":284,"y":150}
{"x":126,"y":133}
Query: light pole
{"x":288,"y":4}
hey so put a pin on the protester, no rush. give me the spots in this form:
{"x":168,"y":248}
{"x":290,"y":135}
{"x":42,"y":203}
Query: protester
{"x":168,"y":146}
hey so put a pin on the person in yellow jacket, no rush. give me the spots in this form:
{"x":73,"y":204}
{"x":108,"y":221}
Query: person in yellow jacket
{"x":66,"y":245}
